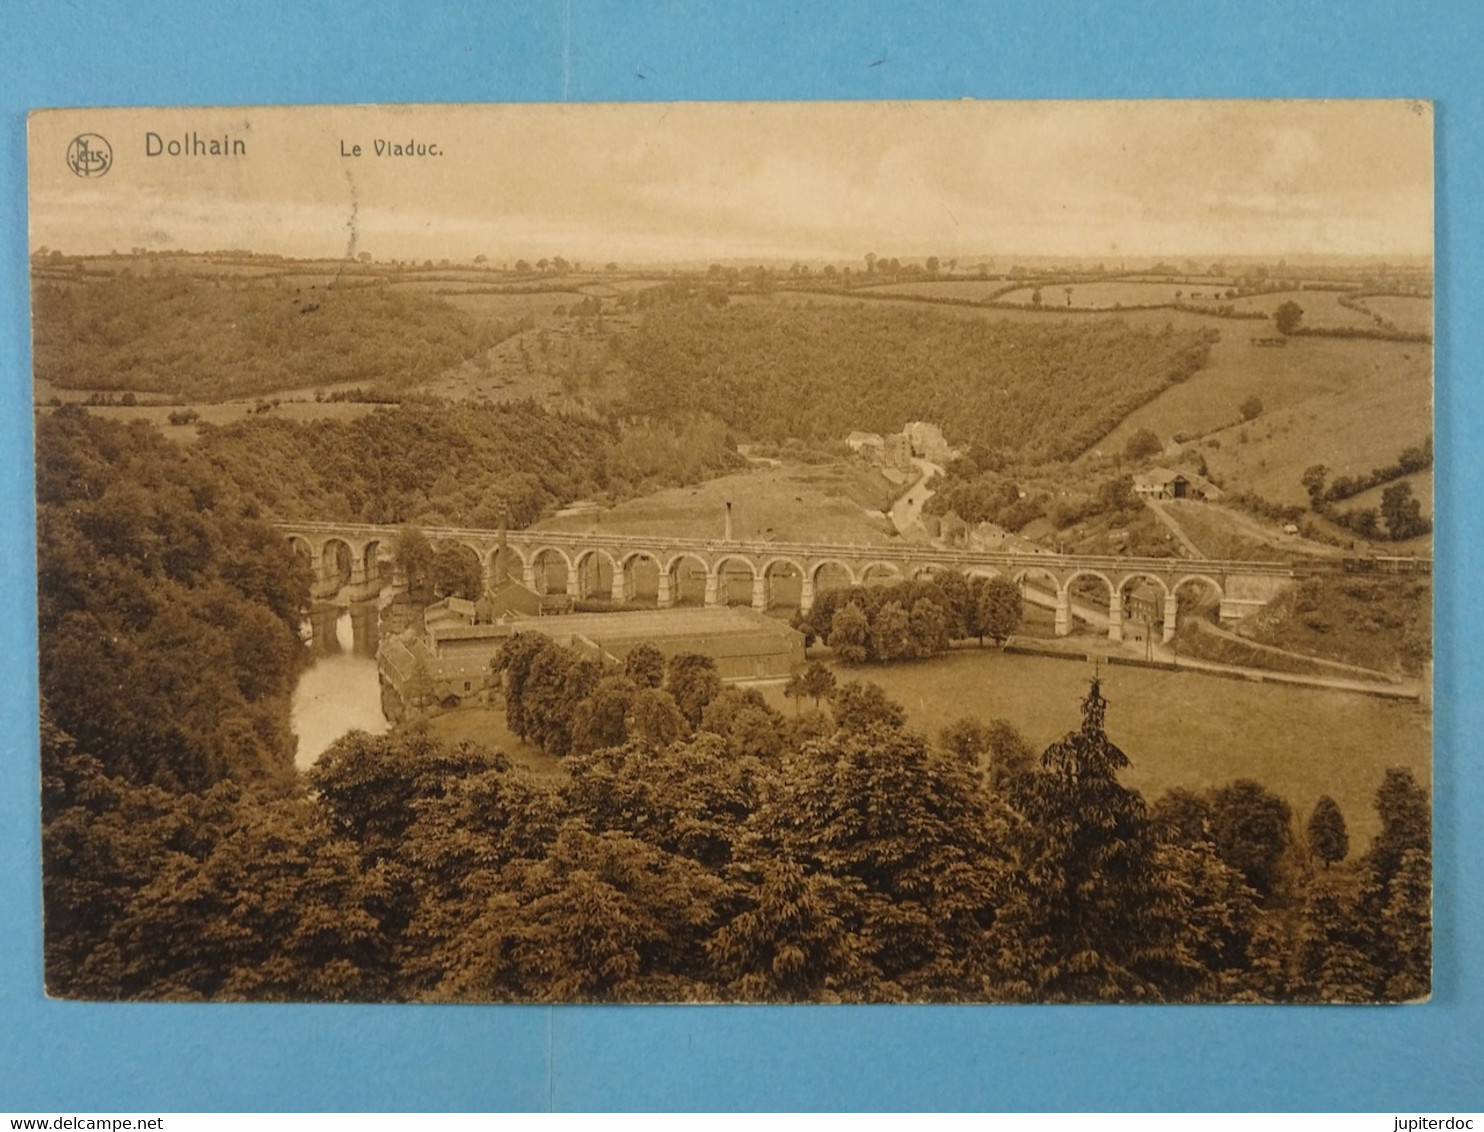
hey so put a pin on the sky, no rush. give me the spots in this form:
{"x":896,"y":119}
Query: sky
{"x":667,"y":182}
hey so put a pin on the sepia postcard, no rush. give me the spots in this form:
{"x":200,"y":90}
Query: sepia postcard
{"x":780,"y":552}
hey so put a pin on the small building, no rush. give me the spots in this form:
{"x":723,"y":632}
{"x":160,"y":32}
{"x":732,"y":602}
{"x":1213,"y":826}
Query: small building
{"x":867,"y":444}
{"x":927,"y":440}
{"x":1163,"y":483}
{"x":1144,"y":603}
{"x":897,"y":451}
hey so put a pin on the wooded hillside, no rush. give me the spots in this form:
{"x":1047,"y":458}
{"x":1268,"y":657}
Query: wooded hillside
{"x":774,"y":371}
{"x":440,"y":462}
{"x":210,"y":339}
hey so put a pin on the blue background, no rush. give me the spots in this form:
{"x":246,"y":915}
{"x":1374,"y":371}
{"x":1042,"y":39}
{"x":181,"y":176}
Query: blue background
{"x":65,"y":1056}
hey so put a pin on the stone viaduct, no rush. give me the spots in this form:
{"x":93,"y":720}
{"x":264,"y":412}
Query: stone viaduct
{"x":360,"y":556}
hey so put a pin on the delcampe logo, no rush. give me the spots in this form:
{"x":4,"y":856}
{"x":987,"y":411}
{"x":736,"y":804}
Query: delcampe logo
{"x":90,"y":155}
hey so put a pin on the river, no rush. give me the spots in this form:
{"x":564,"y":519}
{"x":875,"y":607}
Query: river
{"x":339,"y":691}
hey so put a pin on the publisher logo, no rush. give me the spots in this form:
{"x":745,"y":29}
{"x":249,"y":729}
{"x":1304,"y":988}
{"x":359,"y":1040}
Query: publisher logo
{"x":90,"y":155}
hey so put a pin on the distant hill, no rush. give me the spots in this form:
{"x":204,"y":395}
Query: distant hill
{"x":772,"y":371}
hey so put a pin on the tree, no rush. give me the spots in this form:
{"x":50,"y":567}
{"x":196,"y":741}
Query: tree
{"x":1364,"y":521}
{"x":966,"y":739}
{"x":1087,"y":916}
{"x":794,"y":689}
{"x":860,"y":704}
{"x":654,"y":719}
{"x":645,"y":666}
{"x":1142,"y":445}
{"x":600,"y":720}
{"x":559,"y":681}
{"x":1287,"y":317}
{"x":513,"y":663}
{"x":997,"y":610}
{"x":1405,"y":929}
{"x":849,"y":634}
{"x":1182,"y":817}
{"x":1250,"y":827}
{"x":1335,"y":957}
{"x":1313,"y":480}
{"x":604,"y":916}
{"x":456,"y":572}
{"x":1406,"y":823}
{"x":413,"y":555}
{"x":1010,"y":753}
{"x":927,"y":628}
{"x":694,"y":682}
{"x":792,"y":941}
{"x":1251,"y":408}
{"x":1328,"y":839}
{"x":957,"y":603}
{"x":819,"y":682}
{"x":1402,"y":513}
{"x":912,"y":841}
{"x":891,"y":633}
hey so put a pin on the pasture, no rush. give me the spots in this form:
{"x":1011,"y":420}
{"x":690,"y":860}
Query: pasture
{"x":788,"y":502}
{"x":1180,"y":729}
{"x":1351,"y":404}
{"x":1408,"y":313}
{"x":971,"y":290}
{"x":1420,"y":482}
{"x":1116,"y":293}
{"x":1322,"y":309}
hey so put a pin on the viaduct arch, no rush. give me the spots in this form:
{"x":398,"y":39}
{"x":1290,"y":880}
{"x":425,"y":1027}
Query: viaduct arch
{"x":1239,"y":586}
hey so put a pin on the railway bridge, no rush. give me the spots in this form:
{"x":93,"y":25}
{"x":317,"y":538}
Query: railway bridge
{"x":721,"y":571}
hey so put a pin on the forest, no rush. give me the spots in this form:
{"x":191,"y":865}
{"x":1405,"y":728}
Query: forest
{"x":216,"y":338}
{"x":773,"y":371}
{"x":445,"y":463}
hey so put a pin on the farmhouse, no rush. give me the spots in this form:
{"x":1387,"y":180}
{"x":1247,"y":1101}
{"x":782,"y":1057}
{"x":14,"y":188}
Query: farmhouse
{"x":448,"y":663}
{"x":1162,"y":483}
{"x":927,"y":440}
{"x":867,"y":444}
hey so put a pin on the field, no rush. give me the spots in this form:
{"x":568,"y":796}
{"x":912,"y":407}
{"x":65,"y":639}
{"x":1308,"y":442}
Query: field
{"x":1180,"y":728}
{"x":1321,"y":308}
{"x":293,"y":407}
{"x":972,"y":290}
{"x":1408,"y":314}
{"x":486,"y":727}
{"x":785,"y":503}
{"x":1223,"y":532}
{"x":1420,"y":482}
{"x":1349,"y":403}
{"x":1115,"y":293}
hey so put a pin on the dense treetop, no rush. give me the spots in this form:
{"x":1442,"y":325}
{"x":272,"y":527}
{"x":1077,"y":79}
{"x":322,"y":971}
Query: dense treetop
{"x":774,"y":371}
{"x":440,"y":462}
{"x":746,"y":857}
{"x":167,"y":614}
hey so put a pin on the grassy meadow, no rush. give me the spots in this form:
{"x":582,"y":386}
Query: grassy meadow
{"x":1179,"y":728}
{"x":1349,"y":403}
{"x":777,"y":503}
